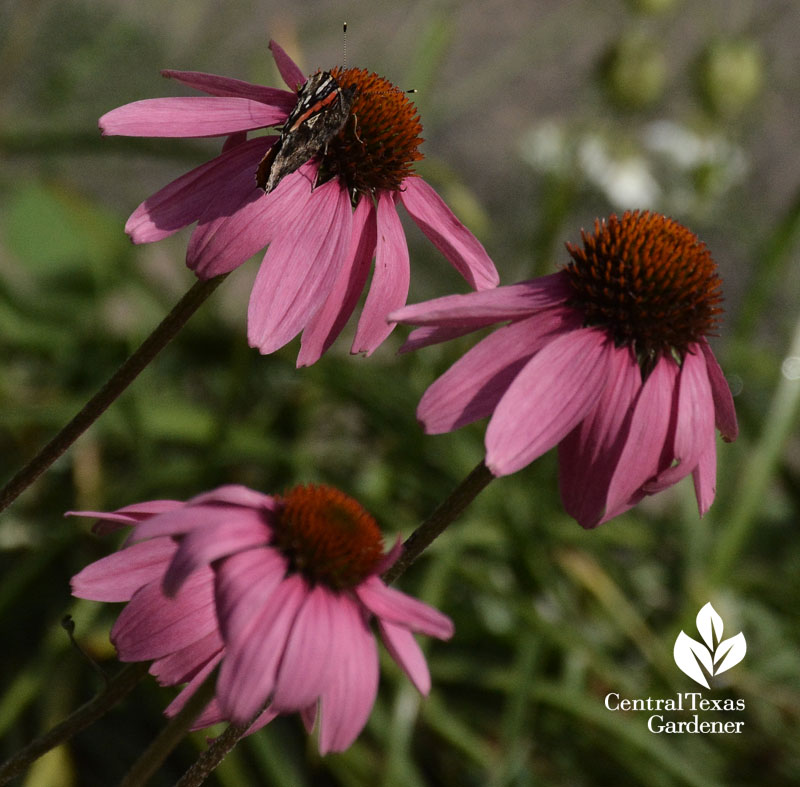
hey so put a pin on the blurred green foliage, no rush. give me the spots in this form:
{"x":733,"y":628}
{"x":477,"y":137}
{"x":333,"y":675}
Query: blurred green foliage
{"x":532,"y":132}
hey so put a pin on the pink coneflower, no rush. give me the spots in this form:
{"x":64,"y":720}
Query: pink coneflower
{"x":324,"y":221}
{"x":280,"y":592}
{"x":607,"y":359}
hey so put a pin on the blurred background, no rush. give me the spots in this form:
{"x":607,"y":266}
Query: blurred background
{"x":538,"y":117}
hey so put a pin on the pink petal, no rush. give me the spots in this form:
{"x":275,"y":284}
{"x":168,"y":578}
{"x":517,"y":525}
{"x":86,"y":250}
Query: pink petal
{"x":177,"y":704}
{"x":390,"y":558}
{"x":184,"y":520}
{"x":694,"y":425}
{"x":189,"y":116}
{"x":289,"y":70}
{"x":133,"y":513}
{"x":478,"y":309}
{"x":247,"y":675}
{"x":704,"y":477}
{"x":589,"y":454}
{"x":235,"y":88}
{"x":389,"y":287}
{"x":182,"y":665}
{"x":328,"y":322}
{"x":304,"y":670}
{"x":152,"y":625}
{"x":241,"y":530}
{"x":243,"y":219}
{"x":118,"y":576}
{"x":183,"y":201}
{"x":403,"y":648}
{"x":471,"y":388}
{"x":645,"y":439}
{"x":130,"y":515}
{"x":236,"y":495}
{"x":347,"y":702}
{"x":299,"y":269}
{"x":245,"y":584}
{"x":389,"y":604}
{"x":448,"y":234}
{"x":724,"y":410}
{"x":213,"y":715}
{"x":548,"y":399}
{"x":435,"y":334}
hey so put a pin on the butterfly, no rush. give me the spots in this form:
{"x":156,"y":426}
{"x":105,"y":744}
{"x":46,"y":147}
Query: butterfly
{"x":321,"y":111}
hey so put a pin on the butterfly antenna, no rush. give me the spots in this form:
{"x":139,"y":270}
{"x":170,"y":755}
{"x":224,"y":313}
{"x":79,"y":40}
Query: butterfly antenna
{"x":344,"y":45}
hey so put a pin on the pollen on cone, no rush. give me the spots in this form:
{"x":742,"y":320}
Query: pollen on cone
{"x":649,"y":281}
{"x":327,"y":536}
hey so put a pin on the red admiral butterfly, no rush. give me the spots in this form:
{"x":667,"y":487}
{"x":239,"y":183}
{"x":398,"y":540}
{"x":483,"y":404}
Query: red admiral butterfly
{"x":320,"y":113}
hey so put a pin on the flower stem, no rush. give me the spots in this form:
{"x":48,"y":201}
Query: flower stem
{"x":100,"y":402}
{"x":213,"y":755}
{"x":175,"y":731}
{"x":115,"y":690}
{"x":438,"y":521}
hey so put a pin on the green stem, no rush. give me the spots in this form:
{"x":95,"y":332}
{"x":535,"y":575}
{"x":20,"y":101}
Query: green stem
{"x":438,"y":521}
{"x":123,"y":377}
{"x":175,"y":731}
{"x":213,"y":755}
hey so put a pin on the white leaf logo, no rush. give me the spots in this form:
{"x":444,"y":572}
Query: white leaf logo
{"x":713,"y":655}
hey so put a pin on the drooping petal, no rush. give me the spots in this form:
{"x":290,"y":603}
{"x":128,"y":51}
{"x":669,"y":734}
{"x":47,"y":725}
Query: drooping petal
{"x":403,"y":648}
{"x":182,"y":201}
{"x":391,"y":557}
{"x":471,"y":388}
{"x":694,"y":425}
{"x":547,"y":399}
{"x":704,"y":477}
{"x":589,"y":454}
{"x":724,"y":410}
{"x":118,"y":576}
{"x":152,"y":625}
{"x":236,"y":495}
{"x":234,"y":88}
{"x":244,"y":219}
{"x":461,"y":248}
{"x":184,"y":520}
{"x":299,"y":269}
{"x":305,"y":667}
{"x":241,"y":530}
{"x":245,"y":584}
{"x":435,"y":334}
{"x":110,"y":522}
{"x":478,"y":309}
{"x":390,"y":280}
{"x":191,"y":687}
{"x":389,"y":604}
{"x":347,"y":701}
{"x":289,"y":70}
{"x":182,"y":665}
{"x":189,"y":116}
{"x":213,"y":714}
{"x":650,"y":426}
{"x":328,"y":322}
{"x":247,"y":676}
